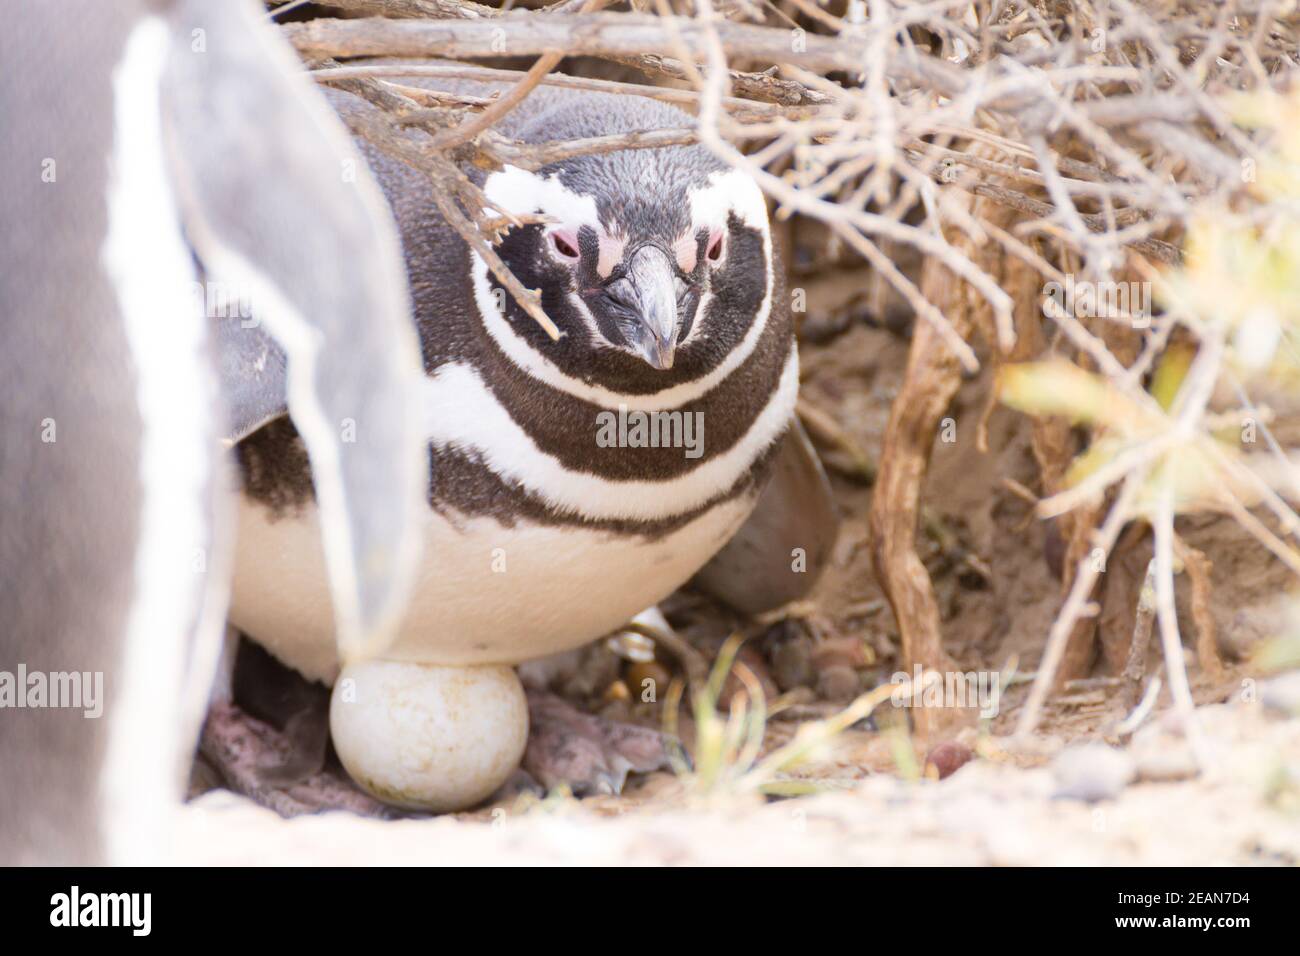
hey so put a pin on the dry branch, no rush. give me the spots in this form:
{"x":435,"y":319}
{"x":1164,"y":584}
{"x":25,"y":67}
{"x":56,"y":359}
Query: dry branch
{"x":1135,"y":668}
{"x":686,"y":99}
{"x":600,"y":34}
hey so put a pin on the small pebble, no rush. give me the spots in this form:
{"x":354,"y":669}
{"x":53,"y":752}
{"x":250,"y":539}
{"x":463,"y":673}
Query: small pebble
{"x":617,"y":691}
{"x":944,"y":759}
{"x":838,"y":683}
{"x":849,"y":651}
{"x":792,"y":663}
{"x":1282,"y":693}
{"x":837,"y":661}
{"x":1163,"y":766}
{"x":1092,"y":772}
{"x":1161,"y":756}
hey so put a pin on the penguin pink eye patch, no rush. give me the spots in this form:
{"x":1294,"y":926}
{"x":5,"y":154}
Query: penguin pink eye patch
{"x":714,"y":253}
{"x":565,"y":243}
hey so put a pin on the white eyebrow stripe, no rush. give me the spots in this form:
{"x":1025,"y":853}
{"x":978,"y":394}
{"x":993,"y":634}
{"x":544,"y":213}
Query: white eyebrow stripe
{"x":522,"y":193}
{"x":728,"y":191}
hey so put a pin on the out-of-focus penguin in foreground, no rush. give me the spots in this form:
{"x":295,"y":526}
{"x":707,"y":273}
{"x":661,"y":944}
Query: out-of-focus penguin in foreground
{"x":159,"y":157}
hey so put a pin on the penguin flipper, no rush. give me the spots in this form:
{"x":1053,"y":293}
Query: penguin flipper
{"x":282,"y":214}
{"x":778,"y":554}
{"x":253,"y":376}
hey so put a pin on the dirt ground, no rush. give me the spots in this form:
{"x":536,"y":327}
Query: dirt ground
{"x":1050,"y":802}
{"x":990,"y":812}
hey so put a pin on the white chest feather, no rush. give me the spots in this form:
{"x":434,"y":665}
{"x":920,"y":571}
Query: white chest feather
{"x":485,"y":593}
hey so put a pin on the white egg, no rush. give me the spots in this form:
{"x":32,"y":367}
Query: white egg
{"x":427,"y":737}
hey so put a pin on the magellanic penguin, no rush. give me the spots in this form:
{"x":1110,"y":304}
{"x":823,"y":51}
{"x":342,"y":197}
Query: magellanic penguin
{"x":571,"y":483}
{"x":154,"y":153}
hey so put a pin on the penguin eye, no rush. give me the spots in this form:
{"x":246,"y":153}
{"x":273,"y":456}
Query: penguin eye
{"x":714,"y":253}
{"x":565,"y":244}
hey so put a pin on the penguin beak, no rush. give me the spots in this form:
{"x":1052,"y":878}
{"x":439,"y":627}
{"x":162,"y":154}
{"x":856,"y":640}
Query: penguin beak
{"x":653,"y":296}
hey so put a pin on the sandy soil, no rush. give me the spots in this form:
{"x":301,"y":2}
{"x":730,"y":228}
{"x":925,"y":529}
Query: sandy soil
{"x":989,"y":812}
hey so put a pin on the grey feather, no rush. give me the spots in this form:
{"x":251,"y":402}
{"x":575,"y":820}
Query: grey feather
{"x":253,"y":375}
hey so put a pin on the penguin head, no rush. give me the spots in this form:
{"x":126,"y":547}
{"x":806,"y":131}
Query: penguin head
{"x":654,"y":264}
